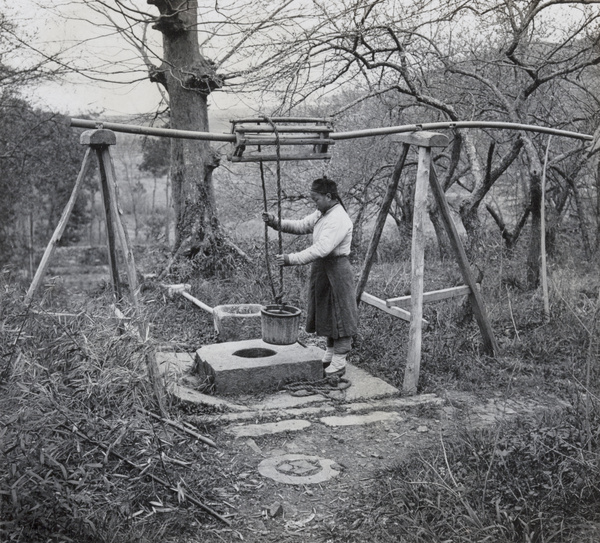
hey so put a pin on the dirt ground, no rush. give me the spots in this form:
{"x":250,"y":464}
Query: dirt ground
{"x":261,"y":509}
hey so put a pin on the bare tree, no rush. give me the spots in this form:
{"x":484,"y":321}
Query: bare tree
{"x":490,"y":60}
{"x":200,"y":50}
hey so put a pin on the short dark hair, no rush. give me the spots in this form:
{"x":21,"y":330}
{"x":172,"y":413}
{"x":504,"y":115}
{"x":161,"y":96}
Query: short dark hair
{"x":324,"y":185}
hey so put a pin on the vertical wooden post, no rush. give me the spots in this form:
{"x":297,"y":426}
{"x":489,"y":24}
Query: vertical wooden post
{"x":59,"y":231}
{"x":109,"y":224}
{"x":380,"y":221}
{"x":121,"y":232}
{"x":413,"y":362}
{"x":425,"y":141}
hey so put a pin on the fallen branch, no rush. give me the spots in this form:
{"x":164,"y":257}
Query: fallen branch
{"x":147,"y":474}
{"x":179,"y":426}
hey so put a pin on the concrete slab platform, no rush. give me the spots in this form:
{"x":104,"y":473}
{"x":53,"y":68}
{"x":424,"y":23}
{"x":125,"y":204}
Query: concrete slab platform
{"x":253,"y":366}
{"x":365,"y":389}
{"x":364,"y":386}
{"x":176,"y":369}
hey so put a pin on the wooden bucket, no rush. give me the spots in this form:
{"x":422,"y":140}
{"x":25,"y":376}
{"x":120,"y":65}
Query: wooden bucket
{"x":280,"y":324}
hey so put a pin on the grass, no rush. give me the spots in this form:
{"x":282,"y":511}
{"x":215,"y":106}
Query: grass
{"x":70,"y":391}
{"x":537,"y":480}
{"x":76,"y":446}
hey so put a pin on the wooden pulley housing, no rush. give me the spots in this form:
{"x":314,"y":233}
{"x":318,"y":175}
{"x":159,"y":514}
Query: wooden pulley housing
{"x":296,"y":138}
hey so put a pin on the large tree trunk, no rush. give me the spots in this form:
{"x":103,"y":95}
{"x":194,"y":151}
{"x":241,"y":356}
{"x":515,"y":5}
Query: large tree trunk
{"x":188,"y":78}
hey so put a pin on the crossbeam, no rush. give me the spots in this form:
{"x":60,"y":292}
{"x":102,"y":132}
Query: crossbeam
{"x":381,"y":304}
{"x":274,"y":158}
{"x":431,"y":296}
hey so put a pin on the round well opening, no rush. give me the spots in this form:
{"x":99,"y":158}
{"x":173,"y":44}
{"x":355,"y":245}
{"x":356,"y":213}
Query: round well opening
{"x":255,"y":352}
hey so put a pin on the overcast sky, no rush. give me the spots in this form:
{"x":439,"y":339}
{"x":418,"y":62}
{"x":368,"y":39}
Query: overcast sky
{"x":77,"y":96}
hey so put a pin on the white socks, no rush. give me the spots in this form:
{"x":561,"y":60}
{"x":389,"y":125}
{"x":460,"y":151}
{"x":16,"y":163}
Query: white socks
{"x":338,"y":363}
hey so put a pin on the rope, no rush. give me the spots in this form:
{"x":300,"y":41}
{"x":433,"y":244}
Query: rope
{"x":278,"y":297}
{"x":319,"y":386}
{"x":267,"y":262}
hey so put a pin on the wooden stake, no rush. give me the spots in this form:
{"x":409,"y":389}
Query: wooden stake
{"x":413,"y":362}
{"x":60,"y":229}
{"x":110,"y":229}
{"x":122,"y":233}
{"x":380,"y":222}
{"x":489,"y":342}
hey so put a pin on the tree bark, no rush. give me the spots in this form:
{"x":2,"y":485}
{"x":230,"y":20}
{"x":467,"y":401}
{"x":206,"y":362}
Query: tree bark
{"x":189,"y":79}
{"x":533,"y":254}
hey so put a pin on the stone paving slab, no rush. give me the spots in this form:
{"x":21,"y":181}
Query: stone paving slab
{"x":190,"y":395}
{"x":358,"y":420}
{"x":298,"y":469}
{"x":294,"y":412}
{"x":395,"y":403}
{"x":284,"y":400}
{"x":268,"y":428}
{"x":364,"y":386}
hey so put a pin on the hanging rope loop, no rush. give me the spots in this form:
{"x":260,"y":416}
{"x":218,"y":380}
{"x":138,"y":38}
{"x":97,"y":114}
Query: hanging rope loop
{"x":266,"y":210}
{"x":278,"y":296}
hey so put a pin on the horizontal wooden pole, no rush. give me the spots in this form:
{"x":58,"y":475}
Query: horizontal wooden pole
{"x":432,"y":296}
{"x":385,"y":131}
{"x":181,"y":288}
{"x":370,"y":132}
{"x":150,"y":131}
{"x":197,"y":302}
{"x":282,"y":120}
{"x":380,"y":304}
{"x":274,"y":158}
{"x":283,"y":129}
{"x":284,"y":141}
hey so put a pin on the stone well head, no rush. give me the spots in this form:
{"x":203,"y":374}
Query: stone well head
{"x":255,"y":367}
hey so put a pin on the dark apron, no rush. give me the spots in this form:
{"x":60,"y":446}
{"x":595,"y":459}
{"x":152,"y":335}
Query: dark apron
{"x":332,"y":310}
